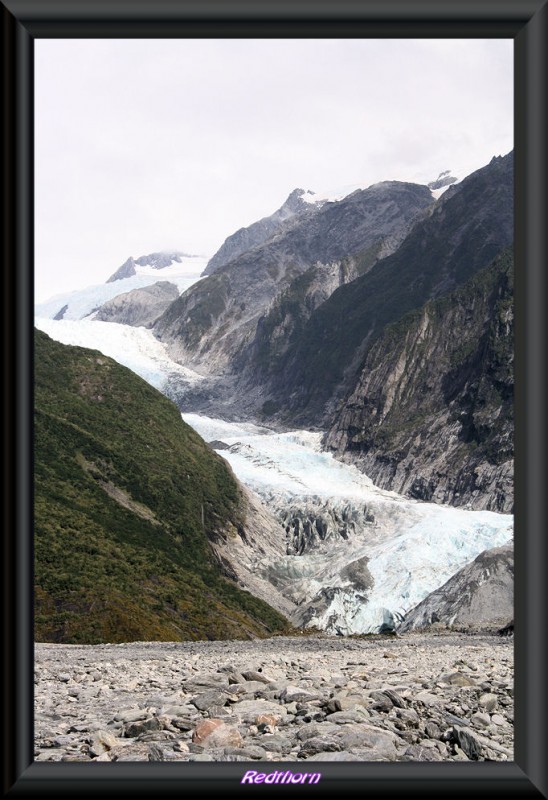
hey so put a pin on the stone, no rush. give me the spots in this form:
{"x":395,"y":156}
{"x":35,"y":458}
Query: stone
{"x":488,"y":701}
{"x":293,"y":694}
{"x":469,"y":743}
{"x":251,"y":675}
{"x":216,"y":733}
{"x":101,"y":742}
{"x":395,"y":698}
{"x":432,"y":730}
{"x":458,"y":679}
{"x":480,"y":720}
{"x":134,"y":729}
{"x":208,"y":699}
{"x":417,"y":752}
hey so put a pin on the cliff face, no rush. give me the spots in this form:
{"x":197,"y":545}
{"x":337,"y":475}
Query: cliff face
{"x":216,"y":320}
{"x":431,"y":415}
{"x":256,"y":234}
{"x":478,"y":597}
{"x":461,"y":236}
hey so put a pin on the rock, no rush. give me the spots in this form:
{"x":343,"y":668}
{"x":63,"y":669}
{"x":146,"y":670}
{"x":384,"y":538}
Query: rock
{"x":207,"y":699}
{"x":480,"y":720}
{"x":101,"y":742}
{"x":420,"y":753}
{"x":395,"y":698}
{"x":382,"y":701}
{"x":293,"y":694}
{"x":488,"y":701}
{"x":256,"y":676}
{"x":250,"y":710}
{"x":497,"y":719}
{"x":216,"y":733}
{"x":468,"y":742}
{"x":204,"y":729}
{"x":458,"y":679}
{"x":134,"y":729}
{"x":432,"y":730}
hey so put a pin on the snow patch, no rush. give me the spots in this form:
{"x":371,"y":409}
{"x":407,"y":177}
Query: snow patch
{"x":82,"y":302}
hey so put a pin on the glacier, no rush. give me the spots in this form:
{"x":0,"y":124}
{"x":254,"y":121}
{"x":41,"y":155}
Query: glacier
{"x":407,"y":547}
{"x":357,"y":557}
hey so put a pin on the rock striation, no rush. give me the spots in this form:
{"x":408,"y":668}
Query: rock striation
{"x":216,"y":319}
{"x":259,"y":232}
{"x":478,"y":597}
{"x":431,"y":415}
{"x":140,"y":306}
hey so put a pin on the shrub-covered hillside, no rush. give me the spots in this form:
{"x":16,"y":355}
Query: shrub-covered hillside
{"x":126,"y":496}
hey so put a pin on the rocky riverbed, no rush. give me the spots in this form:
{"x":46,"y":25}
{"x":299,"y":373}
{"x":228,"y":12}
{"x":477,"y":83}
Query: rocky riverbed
{"x":418,"y":697}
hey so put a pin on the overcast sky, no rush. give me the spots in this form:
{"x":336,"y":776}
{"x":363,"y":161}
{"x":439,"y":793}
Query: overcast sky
{"x":145,"y":145}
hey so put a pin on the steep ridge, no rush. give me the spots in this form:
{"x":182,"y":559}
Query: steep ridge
{"x":254,"y":235}
{"x":478,"y":597}
{"x":139,"y":306}
{"x":159,"y":260}
{"x":214,"y":320}
{"x":463,"y":234}
{"x":431,"y":415}
{"x":131,"y":506}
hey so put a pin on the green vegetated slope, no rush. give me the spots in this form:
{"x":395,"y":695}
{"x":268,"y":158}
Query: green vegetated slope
{"x":126,"y":496}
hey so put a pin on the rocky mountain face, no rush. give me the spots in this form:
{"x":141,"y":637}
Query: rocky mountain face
{"x":154,"y":260}
{"x":216,"y":320}
{"x":462,"y":235}
{"x":254,"y":235}
{"x":444,"y":179}
{"x":132,"y":512}
{"x":140,"y":306}
{"x":431,"y":415}
{"x":478,"y":597}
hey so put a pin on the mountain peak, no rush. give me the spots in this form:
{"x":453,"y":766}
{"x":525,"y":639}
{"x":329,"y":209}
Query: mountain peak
{"x":158,"y":260}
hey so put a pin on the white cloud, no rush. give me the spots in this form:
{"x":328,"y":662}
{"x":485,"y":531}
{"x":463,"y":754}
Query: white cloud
{"x":150,"y":144}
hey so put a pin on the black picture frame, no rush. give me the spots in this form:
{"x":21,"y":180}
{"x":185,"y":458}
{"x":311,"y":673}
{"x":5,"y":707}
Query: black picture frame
{"x":524,"y":21}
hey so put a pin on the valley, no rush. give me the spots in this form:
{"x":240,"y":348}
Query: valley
{"x":377,"y":476}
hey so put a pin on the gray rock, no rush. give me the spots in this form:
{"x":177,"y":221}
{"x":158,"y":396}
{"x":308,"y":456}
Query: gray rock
{"x":292,"y":694}
{"x":209,"y":699}
{"x":469,"y":743}
{"x":133,"y":729}
{"x":416,"y":752}
{"x":432,"y":730}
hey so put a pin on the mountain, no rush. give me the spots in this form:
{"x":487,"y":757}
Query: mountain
{"x":159,"y":260}
{"x":139,"y":306}
{"x":307,"y":380}
{"x":131,"y":506}
{"x":214,"y":321}
{"x":81,"y":303}
{"x":478,"y":597}
{"x":298,"y":202}
{"x":431,"y":415}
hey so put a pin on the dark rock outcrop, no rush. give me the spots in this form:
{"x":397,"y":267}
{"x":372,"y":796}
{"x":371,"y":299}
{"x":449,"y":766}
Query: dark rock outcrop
{"x":462,"y":235}
{"x":432,"y":413}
